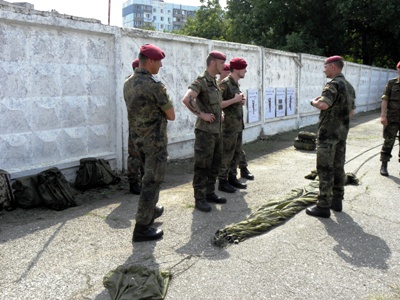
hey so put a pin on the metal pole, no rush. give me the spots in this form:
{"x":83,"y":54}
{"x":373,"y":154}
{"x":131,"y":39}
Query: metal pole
{"x":109,"y":10}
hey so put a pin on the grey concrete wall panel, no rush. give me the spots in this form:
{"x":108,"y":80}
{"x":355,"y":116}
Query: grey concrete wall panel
{"x":58,"y":95}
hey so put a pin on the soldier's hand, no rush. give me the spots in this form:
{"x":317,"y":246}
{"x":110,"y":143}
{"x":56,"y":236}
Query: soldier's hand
{"x":238,"y":98}
{"x":243,"y":99}
{"x":384,"y":121}
{"x":207,"y":117}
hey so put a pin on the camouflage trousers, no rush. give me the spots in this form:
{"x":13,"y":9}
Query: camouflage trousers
{"x":231,"y":154}
{"x":154,"y":171}
{"x":135,"y":166}
{"x":330,"y":168}
{"x":242,"y":161}
{"x":389,"y":134}
{"x":207,"y":160}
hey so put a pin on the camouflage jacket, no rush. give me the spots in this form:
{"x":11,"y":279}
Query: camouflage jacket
{"x":334,"y":122}
{"x":208,"y":100}
{"x":146,"y":100}
{"x":233,"y":121}
{"x":392,"y":95}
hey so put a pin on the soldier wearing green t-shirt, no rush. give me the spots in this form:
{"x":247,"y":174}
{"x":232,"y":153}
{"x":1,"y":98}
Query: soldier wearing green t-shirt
{"x":336,"y":104}
{"x":232,"y":128}
{"x":203,"y":98}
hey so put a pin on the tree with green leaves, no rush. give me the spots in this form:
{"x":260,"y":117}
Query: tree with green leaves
{"x":208,"y":22}
{"x":363,"y":31}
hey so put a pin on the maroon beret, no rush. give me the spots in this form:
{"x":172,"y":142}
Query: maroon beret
{"x":398,"y":65}
{"x":238,"y":63}
{"x":218,"y":55}
{"x":152,"y":52}
{"x":135,"y":63}
{"x":332,"y":59}
{"x":227,"y":67}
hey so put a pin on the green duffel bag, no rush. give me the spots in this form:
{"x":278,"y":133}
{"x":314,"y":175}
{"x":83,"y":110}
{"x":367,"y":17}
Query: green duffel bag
{"x":306,"y":135}
{"x":304,"y":144}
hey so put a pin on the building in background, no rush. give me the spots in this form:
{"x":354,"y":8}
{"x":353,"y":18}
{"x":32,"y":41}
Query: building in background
{"x":23,"y":4}
{"x":161,"y":15}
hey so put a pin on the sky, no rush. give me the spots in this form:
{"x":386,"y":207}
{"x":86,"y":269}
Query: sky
{"x":95,"y":9}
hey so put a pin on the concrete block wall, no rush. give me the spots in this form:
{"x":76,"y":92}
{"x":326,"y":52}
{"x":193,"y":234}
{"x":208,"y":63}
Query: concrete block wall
{"x":62,"y":77}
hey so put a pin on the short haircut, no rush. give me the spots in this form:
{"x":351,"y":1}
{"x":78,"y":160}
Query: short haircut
{"x":209,"y":59}
{"x":142,"y":58}
{"x":339,"y":64}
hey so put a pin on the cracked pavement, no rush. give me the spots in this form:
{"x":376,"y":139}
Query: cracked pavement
{"x":353,"y":255}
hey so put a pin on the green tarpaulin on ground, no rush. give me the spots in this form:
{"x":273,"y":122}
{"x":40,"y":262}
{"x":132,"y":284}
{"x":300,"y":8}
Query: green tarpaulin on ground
{"x":136,"y":283}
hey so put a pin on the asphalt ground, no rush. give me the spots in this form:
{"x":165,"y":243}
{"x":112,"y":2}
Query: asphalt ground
{"x":353,"y":255}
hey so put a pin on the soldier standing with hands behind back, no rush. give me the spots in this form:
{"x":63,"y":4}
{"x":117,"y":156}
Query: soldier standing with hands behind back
{"x":135,"y":167}
{"x":390,"y":119}
{"x":336,"y":105}
{"x":149,"y":109}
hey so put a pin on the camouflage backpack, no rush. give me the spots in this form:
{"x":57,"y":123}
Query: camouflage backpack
{"x":94,"y":173}
{"x":54,"y":190}
{"x":7,"y":200}
{"x":49,"y":188}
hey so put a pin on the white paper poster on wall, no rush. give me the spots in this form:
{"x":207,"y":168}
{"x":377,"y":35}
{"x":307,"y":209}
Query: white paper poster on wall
{"x":290,"y":101}
{"x":252,"y":105}
{"x":269,"y":103}
{"x":280,"y":102}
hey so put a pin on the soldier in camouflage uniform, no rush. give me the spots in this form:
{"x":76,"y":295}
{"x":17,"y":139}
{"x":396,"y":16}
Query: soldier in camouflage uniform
{"x":149,"y":109}
{"x":135,"y":167}
{"x":244,"y":171}
{"x":232,"y":127}
{"x":390,"y":119}
{"x":203,"y":98}
{"x":337,"y":105}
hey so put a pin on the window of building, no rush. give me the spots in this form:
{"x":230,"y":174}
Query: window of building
{"x":183,"y":12}
{"x":154,"y":18}
{"x":169,"y":19}
{"x":147,"y":16}
{"x":154,"y":10}
{"x":162,"y":26}
{"x":169,"y":11}
{"x":162,"y":18}
{"x":162,"y":11}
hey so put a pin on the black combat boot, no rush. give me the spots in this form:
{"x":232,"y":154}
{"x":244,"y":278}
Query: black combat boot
{"x":316,"y":211}
{"x":384,"y":171}
{"x":233,"y":181}
{"x":202,"y":205}
{"x":245,"y":173}
{"x":336,"y":205}
{"x":134,"y":188}
{"x":158,"y":211}
{"x":224,"y":186}
{"x":214,"y":198}
{"x":143,"y":233}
